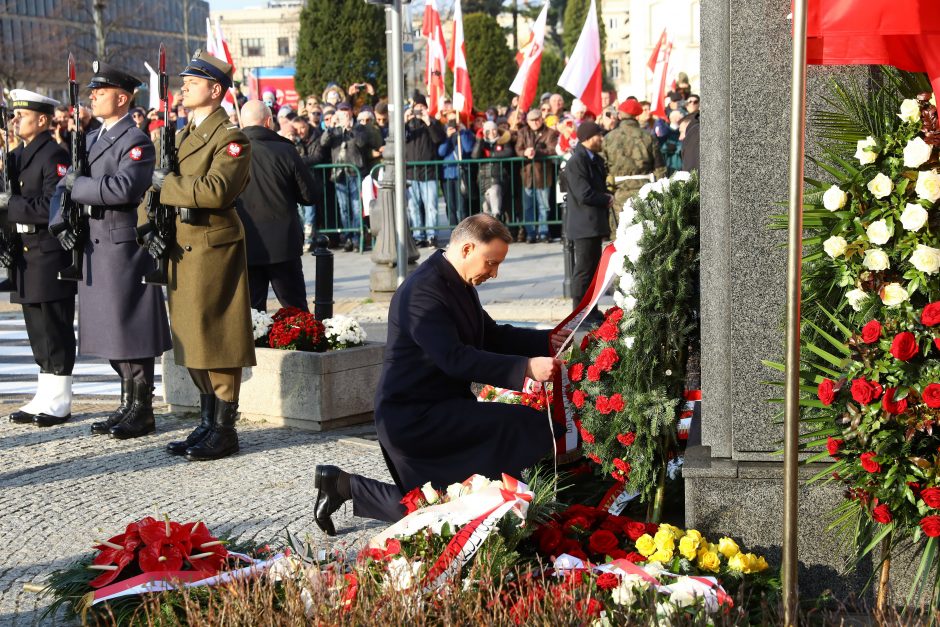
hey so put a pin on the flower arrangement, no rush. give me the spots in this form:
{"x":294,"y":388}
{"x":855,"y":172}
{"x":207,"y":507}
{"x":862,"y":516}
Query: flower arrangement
{"x":534,"y":395}
{"x":261,"y":322}
{"x":343,"y":332}
{"x":294,"y":329}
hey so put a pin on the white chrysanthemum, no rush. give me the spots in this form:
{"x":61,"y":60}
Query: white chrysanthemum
{"x":876,"y":259}
{"x":866,"y":150}
{"x":916,"y":153}
{"x":343,"y":332}
{"x":881,"y":186}
{"x":914,"y":217}
{"x":261,"y":321}
{"x":681,"y":175}
{"x":834,"y":198}
{"x":910,"y":110}
{"x":835,"y":246}
{"x":893,"y":294}
{"x":879,"y":232}
{"x":926,"y":259}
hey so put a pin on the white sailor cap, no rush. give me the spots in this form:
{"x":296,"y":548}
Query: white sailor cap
{"x":25,"y":99}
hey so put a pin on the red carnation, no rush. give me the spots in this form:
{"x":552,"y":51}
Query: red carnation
{"x":626,"y":439}
{"x":635,"y":557}
{"x":881,"y":514}
{"x":833,"y":445}
{"x":931,"y":395}
{"x":594,"y":458}
{"x":616,"y":402}
{"x":607,"y":332}
{"x":871,"y":332}
{"x":591,"y":607}
{"x":931,"y":314}
{"x":607,"y":358}
{"x":602,"y":404}
{"x":931,"y":497}
{"x":890,"y":406}
{"x":614,"y":314}
{"x":634,"y":530}
{"x":412,"y":500}
{"x":602,"y":542}
{"x":586,"y":341}
{"x":593,"y":373}
{"x":576,"y":372}
{"x":578,"y":397}
{"x":587,"y":436}
{"x":931,"y":526}
{"x":864,"y":391}
{"x":904,"y":346}
{"x":608,"y":581}
{"x":826,"y":392}
{"x":622,"y":466}
{"x":869,"y":463}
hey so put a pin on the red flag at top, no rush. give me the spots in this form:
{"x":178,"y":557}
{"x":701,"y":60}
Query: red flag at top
{"x":902,"y":33}
{"x":654,"y":57}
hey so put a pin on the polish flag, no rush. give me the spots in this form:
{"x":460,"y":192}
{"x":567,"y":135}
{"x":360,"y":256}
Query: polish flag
{"x":654,"y":57}
{"x":437,"y":57}
{"x":527,"y":79}
{"x":222,"y":52}
{"x":463,"y":96}
{"x":582,"y":75}
{"x":660,"y":72}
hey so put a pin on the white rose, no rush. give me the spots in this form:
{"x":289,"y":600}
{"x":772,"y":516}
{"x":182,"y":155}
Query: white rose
{"x":916,"y":153}
{"x":834,"y":198}
{"x":914,"y":217}
{"x":430,"y":494}
{"x":862,"y":152}
{"x":855,"y":298}
{"x":910,"y":110}
{"x":926,"y":259}
{"x":881,"y":186}
{"x":879,"y":232}
{"x":479,"y":482}
{"x":681,"y":176}
{"x":630,"y":588}
{"x":893,"y":294}
{"x":453,"y":491}
{"x":401,"y":574}
{"x":876,"y":259}
{"x":835,"y":246}
{"x":928,"y":185}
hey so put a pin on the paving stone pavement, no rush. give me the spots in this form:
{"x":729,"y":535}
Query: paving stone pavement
{"x":62,"y":488}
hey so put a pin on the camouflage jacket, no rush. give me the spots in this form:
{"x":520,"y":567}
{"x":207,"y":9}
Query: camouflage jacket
{"x":629,"y":150}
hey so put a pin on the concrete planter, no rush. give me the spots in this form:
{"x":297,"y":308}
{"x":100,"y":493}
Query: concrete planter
{"x":313,"y":391}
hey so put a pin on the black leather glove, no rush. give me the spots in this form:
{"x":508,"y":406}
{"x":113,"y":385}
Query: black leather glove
{"x":6,"y":256}
{"x":67,"y":238}
{"x":4,"y":200}
{"x":153,"y":243}
{"x":159,"y":175}
{"x":70,"y":180}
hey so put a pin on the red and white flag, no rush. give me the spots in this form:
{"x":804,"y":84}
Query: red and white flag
{"x":437,"y":57}
{"x":582,"y":75}
{"x":457,"y":59}
{"x":654,"y":57}
{"x":660,"y":69}
{"x":527,"y":79}
{"x":217,"y":47}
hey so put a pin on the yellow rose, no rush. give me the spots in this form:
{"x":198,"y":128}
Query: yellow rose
{"x":688,"y":547}
{"x":740,"y":562}
{"x":662,"y":555}
{"x":675,"y":531}
{"x":728,"y":547}
{"x":708,"y":560}
{"x":664,"y":540}
{"x":758,"y":564}
{"x":695,"y":534}
{"x":645,"y":545}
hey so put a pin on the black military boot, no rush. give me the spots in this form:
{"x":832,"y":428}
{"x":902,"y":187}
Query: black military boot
{"x":138,"y":420}
{"x":206,"y":422}
{"x":127,"y":399}
{"x":222,"y":440}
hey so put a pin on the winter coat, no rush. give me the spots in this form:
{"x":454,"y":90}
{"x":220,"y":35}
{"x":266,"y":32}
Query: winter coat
{"x":586,"y":205}
{"x":539,"y":173}
{"x":448,"y":152}
{"x":492,"y":172}
{"x":421,"y":142}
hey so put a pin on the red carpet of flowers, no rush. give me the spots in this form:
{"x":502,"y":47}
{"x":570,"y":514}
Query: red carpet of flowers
{"x":294,"y":329}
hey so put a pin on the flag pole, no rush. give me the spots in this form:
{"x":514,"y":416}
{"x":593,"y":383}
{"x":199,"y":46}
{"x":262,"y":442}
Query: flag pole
{"x":794,"y":271}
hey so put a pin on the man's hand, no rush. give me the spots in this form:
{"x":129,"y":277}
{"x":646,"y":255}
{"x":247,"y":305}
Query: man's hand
{"x":610,"y":201}
{"x":542,"y":368}
{"x":558,"y":340}
{"x":4,"y":200}
{"x":6,"y":257}
{"x":70,"y":180}
{"x":529,"y":153}
{"x":67,"y":238}
{"x":154,"y":244}
{"x":159,"y":176}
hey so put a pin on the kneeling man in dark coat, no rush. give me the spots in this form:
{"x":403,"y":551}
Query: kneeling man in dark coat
{"x":431,"y":427}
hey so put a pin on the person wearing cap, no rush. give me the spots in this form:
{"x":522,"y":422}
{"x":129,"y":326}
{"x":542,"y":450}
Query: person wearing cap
{"x":535,"y":142}
{"x":120,"y":318}
{"x":587,"y":205}
{"x":630,"y":151}
{"x":36,"y":166}
{"x":210,"y":315}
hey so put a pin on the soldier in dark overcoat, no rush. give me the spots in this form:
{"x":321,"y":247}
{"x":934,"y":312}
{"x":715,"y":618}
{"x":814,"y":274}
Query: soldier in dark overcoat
{"x":120,"y":318}
{"x":430,"y":425}
{"x":210,"y":316}
{"x":48,"y":304}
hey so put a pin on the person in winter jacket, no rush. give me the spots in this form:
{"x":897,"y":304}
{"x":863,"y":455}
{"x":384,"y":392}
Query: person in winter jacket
{"x":423,"y":135}
{"x":492,"y":144}
{"x":535,"y":142}
{"x":457,"y":146}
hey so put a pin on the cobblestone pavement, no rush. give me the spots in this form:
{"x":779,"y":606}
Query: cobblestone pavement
{"x":63,"y":488}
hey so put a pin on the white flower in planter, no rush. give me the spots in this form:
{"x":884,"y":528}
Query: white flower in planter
{"x":910,"y":110}
{"x":343,"y":332}
{"x":893,"y":294}
{"x":928,"y":185}
{"x":881,"y":186}
{"x":261,"y":321}
{"x":835,"y":246}
{"x":926,"y":259}
{"x":834,"y":198}
{"x":879,"y":232}
{"x":916,"y":153}
{"x":855,"y":298}
{"x":681,"y":175}
{"x":866,"y":150}
{"x":914,"y":217}
{"x":876,"y":259}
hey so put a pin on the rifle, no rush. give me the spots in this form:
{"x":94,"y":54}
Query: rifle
{"x":160,"y":230}
{"x":7,"y":239}
{"x":74,"y":217}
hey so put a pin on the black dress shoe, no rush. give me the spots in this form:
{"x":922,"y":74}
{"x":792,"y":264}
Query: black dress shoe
{"x":329,"y":499}
{"x":46,"y":420}
{"x":22,"y":418}
{"x":348,"y":246}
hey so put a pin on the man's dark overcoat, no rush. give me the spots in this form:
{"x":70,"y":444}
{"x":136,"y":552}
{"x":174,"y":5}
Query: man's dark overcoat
{"x":429,"y":423}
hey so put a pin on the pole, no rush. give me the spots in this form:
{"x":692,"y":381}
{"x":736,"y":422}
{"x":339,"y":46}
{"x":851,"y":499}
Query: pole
{"x":397,"y":130}
{"x":794,"y":270}
{"x":98,"y":14}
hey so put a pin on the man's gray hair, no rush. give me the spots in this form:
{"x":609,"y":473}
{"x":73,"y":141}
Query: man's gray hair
{"x":480,"y":229}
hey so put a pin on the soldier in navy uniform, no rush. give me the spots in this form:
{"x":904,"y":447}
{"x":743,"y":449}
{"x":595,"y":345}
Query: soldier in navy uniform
{"x":48,"y":304}
{"x":120,"y":318}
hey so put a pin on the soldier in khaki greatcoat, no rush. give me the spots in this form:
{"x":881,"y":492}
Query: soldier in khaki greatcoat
{"x":210,"y":317}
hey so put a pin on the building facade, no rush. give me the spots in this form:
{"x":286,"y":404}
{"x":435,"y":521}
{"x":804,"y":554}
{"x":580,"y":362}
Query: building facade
{"x":263,"y":37}
{"x":37,"y":35}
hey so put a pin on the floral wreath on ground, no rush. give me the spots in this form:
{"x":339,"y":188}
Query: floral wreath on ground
{"x":291,"y":328}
